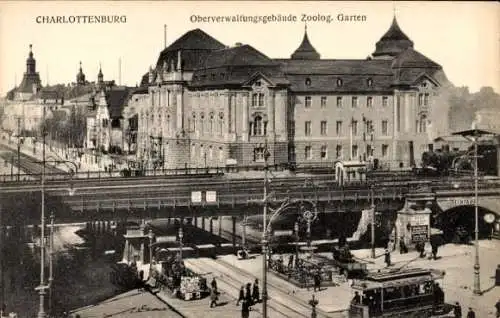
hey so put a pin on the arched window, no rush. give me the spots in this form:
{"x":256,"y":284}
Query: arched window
{"x":339,"y":82}
{"x":369,"y":82}
{"x":202,"y":123}
{"x":194,"y":122}
{"x":168,"y":125}
{"x":257,"y":126}
{"x":221,"y":123}
{"x":308,"y":81}
{"x":211,"y":123}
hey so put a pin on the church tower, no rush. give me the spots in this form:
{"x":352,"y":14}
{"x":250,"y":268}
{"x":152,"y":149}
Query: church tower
{"x":393,"y":42}
{"x":80,"y":77}
{"x":31,"y":83}
{"x":305,"y":51}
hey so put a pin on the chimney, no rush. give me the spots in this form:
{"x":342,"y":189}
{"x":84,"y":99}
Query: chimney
{"x":238,"y":44}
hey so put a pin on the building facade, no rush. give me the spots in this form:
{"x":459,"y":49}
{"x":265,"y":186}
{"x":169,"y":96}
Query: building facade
{"x":206,"y":105}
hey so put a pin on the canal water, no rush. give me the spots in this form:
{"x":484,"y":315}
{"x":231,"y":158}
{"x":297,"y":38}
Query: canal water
{"x":81,"y":271}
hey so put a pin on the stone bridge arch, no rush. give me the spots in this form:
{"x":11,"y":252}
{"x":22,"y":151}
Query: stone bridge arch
{"x":453,"y":213}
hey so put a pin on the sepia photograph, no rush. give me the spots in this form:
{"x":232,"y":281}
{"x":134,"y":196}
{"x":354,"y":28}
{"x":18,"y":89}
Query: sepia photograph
{"x":226,"y":159}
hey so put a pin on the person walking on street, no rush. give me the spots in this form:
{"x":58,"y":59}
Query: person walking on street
{"x":457,"y":310}
{"x":213,"y":297}
{"x":317,"y":281}
{"x":241,"y":297}
{"x":471,"y":313}
{"x":497,"y":305}
{"x":248,"y":294}
{"x":255,"y":292}
{"x":245,"y":309}
{"x":387,"y":257}
{"x":213,"y":284}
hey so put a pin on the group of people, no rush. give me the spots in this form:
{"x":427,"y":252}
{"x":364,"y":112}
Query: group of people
{"x":457,"y":311}
{"x":249,"y":296}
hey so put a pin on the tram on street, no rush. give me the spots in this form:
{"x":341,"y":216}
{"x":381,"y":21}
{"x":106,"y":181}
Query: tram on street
{"x":413,"y":293}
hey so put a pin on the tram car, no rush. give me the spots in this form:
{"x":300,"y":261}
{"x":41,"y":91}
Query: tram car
{"x":408,"y":293}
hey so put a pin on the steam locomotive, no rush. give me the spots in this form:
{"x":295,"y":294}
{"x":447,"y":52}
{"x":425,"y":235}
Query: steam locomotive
{"x":443,"y":161}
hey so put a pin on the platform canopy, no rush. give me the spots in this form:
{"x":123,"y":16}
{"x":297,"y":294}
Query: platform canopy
{"x":473,"y":133}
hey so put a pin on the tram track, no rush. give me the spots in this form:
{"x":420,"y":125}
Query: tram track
{"x":279,"y":302}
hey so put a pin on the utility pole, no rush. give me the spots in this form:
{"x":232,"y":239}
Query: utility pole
{"x":477,"y":279}
{"x":1,"y":265}
{"x":51,"y":256}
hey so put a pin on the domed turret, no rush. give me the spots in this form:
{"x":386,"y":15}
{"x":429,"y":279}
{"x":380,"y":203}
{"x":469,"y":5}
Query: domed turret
{"x":305,"y":51}
{"x":30,"y":62}
{"x":100,"y":77}
{"x":80,"y":77}
{"x":393,"y":42}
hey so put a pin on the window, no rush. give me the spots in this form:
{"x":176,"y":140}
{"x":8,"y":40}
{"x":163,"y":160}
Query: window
{"x":338,"y":151}
{"x":369,"y":101}
{"x":291,"y":128}
{"x":354,"y":102}
{"x":354,"y":127}
{"x":420,"y":99}
{"x":210,"y":153}
{"x":323,"y":152}
{"x":194,"y":122}
{"x":257,"y":126}
{"x":211,"y":123}
{"x":307,"y":128}
{"x":385,"y":150}
{"x":221,"y":123}
{"x":426,"y":99}
{"x":369,"y":126}
{"x":369,"y":150}
{"x":369,"y":82}
{"x":422,"y":127}
{"x":354,"y":151}
{"x":193,"y":151}
{"x":338,"y":128}
{"x":202,"y":123}
{"x":257,"y":100}
{"x":104,"y":123}
{"x":339,"y":82}
{"x":308,"y":152}
{"x":385,"y":129}
{"x":258,"y":154}
{"x":258,"y":83}
{"x":385,"y":101}
{"x":308,"y":81}
{"x":222,"y":76}
{"x":308,"y":102}
{"x":202,"y":151}
{"x":339,"y":101}
{"x":323,"y":128}
{"x":323,"y":101}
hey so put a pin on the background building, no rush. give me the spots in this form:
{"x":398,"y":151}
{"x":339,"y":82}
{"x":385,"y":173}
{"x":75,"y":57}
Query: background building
{"x":208,"y":104}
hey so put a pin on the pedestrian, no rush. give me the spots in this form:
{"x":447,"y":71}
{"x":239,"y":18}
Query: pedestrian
{"x":434,"y":248}
{"x":241,"y":296}
{"x":387,"y":258}
{"x":497,"y":305}
{"x":213,"y":284}
{"x":255,"y":292}
{"x":248,"y":294}
{"x":457,"y":310}
{"x":356,"y":299}
{"x":290,"y":261}
{"x":471,"y":313}
{"x":317,"y":281}
{"x":213,"y":297}
{"x":245,"y":309}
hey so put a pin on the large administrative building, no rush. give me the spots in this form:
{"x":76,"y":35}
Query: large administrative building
{"x":206,"y":104}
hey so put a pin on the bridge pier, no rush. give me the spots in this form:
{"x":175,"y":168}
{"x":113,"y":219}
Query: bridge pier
{"x":211,"y":225}
{"x":203,"y":223}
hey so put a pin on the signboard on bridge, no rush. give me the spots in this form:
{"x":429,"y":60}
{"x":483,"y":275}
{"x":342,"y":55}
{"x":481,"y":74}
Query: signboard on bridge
{"x":211,"y":196}
{"x":419,"y":233}
{"x":196,"y":196}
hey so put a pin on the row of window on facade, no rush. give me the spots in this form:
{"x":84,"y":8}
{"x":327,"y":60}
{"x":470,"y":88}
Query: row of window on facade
{"x":367,"y":127}
{"x":339,"y":152}
{"x":206,"y":153}
{"x":423,"y":100}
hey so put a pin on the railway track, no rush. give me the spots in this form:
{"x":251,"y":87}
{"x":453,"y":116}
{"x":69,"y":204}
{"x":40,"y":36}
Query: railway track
{"x":280,"y":303}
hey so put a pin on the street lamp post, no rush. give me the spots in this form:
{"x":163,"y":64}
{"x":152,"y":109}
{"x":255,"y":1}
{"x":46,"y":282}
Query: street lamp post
{"x":51,"y":255}
{"x":264,"y":239}
{"x":477,"y":279}
{"x":313,"y":302}
{"x":151,"y":237}
{"x":372,"y":210}
{"x":181,"y":235}
{"x":296,"y":228}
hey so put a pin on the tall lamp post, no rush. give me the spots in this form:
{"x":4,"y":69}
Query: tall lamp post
{"x":51,"y":255}
{"x":296,"y":228}
{"x":181,"y":235}
{"x":473,"y":135}
{"x":372,"y":211}
{"x":264,"y":237}
{"x":151,"y":236}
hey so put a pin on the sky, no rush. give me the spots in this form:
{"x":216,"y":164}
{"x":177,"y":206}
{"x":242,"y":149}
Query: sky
{"x":461,"y":36}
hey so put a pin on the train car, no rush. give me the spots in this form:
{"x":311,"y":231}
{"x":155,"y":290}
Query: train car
{"x":401,"y":293}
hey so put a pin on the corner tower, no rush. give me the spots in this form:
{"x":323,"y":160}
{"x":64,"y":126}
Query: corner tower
{"x":305,"y":51}
{"x":393,"y":42}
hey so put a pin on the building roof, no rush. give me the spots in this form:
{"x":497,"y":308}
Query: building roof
{"x":195,"y":45}
{"x":410,"y":58}
{"x":393,"y":42}
{"x":236,"y":66}
{"x":305,"y":51}
{"x":117,"y":99}
{"x":336,"y":67}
